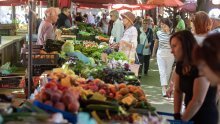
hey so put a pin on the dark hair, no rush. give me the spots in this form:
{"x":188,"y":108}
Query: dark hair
{"x":188,"y":43}
{"x":64,"y":9}
{"x":209,"y":52}
{"x":167,"y":21}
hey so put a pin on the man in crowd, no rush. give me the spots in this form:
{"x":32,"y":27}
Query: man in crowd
{"x":64,"y":20}
{"x":180,"y":25}
{"x":118,"y":27}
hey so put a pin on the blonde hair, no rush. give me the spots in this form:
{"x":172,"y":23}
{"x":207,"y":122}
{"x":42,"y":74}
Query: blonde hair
{"x":202,"y":22}
{"x":52,"y":11}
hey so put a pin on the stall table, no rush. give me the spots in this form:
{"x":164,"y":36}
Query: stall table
{"x":10,"y":49}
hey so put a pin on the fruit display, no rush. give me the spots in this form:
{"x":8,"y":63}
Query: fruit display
{"x":60,"y":97}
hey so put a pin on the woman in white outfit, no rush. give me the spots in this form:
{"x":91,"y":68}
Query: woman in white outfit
{"x":165,"y":59}
{"x":128,"y":43}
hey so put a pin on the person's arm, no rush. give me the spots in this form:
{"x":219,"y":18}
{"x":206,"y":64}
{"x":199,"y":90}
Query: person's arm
{"x":171,"y":85}
{"x":200,"y":89}
{"x":155,"y":47}
{"x":178,"y":95}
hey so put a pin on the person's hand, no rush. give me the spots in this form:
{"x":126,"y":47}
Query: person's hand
{"x":169,"y":92}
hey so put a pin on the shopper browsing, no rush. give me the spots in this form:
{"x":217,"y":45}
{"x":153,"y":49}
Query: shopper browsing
{"x":200,"y":97}
{"x":47,"y":29}
{"x":128,"y":42}
{"x":165,"y":59}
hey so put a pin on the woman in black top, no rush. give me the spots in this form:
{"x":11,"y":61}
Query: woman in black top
{"x":200,"y":97}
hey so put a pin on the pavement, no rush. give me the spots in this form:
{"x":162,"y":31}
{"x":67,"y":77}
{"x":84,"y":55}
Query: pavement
{"x":151,"y":86}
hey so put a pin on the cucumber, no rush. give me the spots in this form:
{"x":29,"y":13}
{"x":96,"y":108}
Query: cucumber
{"x":98,"y":102}
{"x":24,"y":115}
{"x":99,"y":107}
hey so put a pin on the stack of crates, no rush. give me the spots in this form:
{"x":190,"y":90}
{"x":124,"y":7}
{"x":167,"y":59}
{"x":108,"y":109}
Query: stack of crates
{"x":41,"y":62}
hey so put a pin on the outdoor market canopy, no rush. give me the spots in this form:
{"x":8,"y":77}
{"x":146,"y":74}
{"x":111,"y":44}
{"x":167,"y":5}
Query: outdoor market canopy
{"x":168,"y":3}
{"x":107,"y":1}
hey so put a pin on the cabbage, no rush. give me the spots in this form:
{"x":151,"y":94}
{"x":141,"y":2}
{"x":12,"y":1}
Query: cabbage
{"x":68,"y":47}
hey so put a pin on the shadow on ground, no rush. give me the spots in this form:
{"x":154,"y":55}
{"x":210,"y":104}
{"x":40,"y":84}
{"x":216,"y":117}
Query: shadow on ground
{"x":152,"y":89}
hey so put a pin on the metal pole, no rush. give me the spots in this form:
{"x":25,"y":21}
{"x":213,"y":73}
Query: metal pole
{"x":30,"y":49}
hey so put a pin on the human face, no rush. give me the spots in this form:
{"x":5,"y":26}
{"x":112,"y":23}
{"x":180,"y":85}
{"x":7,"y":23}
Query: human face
{"x":176,"y":49}
{"x":54,"y":17}
{"x":67,"y":12}
{"x":126,"y":22}
{"x":205,"y":70}
{"x":164,"y":27}
{"x":112,"y":17}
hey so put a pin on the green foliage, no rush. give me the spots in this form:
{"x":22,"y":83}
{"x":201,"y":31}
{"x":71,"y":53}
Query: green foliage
{"x":7,"y":68}
{"x":68,"y":47}
{"x":117,"y":56}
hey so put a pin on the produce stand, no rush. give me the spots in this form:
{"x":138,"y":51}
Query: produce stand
{"x":80,"y":85}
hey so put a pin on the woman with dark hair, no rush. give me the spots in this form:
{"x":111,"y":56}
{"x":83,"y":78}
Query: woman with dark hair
{"x":207,"y":57}
{"x":200,"y":97}
{"x":165,"y":59}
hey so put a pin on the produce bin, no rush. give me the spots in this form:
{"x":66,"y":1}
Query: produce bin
{"x":41,"y":59}
{"x":11,"y":82}
{"x":71,"y":117}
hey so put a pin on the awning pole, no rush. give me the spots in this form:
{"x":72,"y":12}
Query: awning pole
{"x":30,"y":81}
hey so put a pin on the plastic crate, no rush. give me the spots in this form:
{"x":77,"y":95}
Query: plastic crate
{"x":173,"y":121}
{"x":11,"y":82}
{"x":72,"y":118}
{"x":41,"y":59}
{"x":39,"y":69}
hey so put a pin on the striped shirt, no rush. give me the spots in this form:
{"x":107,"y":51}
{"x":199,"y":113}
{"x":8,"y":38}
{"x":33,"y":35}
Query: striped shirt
{"x":164,"y":39}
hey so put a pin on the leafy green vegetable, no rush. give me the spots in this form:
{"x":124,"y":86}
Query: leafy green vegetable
{"x":68,"y":47}
{"x":117,"y":56}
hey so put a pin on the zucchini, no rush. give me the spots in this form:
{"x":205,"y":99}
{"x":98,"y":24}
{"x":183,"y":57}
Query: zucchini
{"x":98,"y":102}
{"x":99,"y":107}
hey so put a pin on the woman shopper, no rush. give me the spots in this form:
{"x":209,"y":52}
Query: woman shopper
{"x":145,"y":34}
{"x":200,"y":97}
{"x":165,"y":59}
{"x":47,"y":29}
{"x":128,"y":42}
{"x":202,"y":24}
{"x":207,"y":57}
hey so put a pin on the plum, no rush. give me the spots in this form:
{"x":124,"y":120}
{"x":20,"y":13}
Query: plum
{"x":55,"y":97}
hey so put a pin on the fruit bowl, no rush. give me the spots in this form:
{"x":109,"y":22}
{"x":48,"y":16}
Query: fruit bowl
{"x":72,"y":118}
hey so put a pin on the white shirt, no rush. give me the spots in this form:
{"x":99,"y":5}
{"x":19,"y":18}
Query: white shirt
{"x":117,"y":30}
{"x":130,"y":35}
{"x":199,"y":39}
